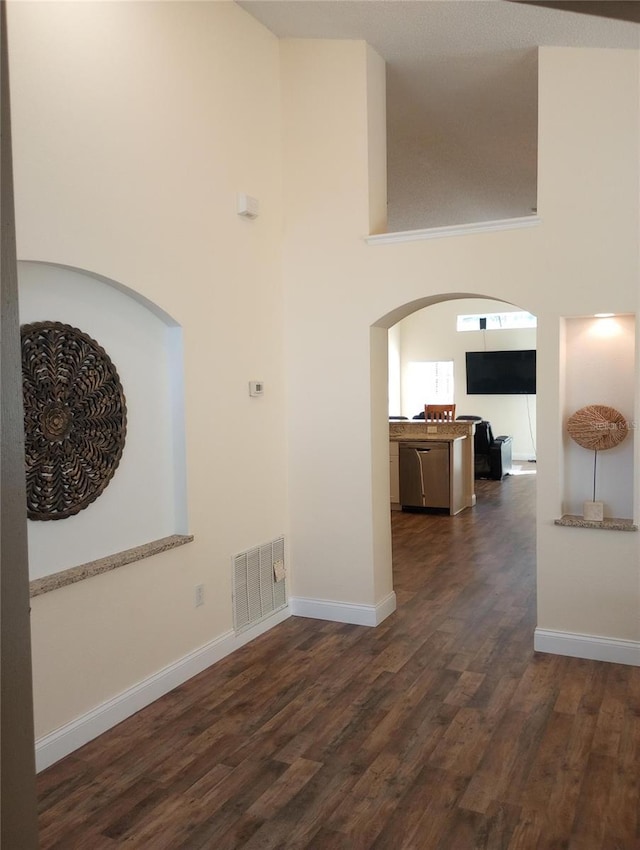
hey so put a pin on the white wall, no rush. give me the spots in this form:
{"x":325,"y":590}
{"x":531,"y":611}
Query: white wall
{"x":430,"y":334}
{"x":145,"y":499}
{"x":135,"y":125}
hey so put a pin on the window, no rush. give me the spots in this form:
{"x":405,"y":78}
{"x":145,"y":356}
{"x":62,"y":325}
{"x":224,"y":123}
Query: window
{"x":497,"y":321}
{"x":428,"y":382}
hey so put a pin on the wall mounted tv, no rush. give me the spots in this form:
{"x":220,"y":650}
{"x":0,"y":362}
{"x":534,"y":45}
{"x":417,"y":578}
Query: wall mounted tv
{"x":501,"y":372}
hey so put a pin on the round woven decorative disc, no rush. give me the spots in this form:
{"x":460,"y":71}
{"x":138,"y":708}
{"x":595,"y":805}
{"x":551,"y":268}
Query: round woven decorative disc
{"x":75,"y":419}
{"x":597,"y":427}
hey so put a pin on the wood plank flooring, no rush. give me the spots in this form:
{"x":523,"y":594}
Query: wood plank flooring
{"x":439,"y":730}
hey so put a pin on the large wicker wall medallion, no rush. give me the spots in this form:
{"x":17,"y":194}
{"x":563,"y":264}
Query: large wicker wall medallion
{"x":75,"y":419}
{"x":597,"y":427}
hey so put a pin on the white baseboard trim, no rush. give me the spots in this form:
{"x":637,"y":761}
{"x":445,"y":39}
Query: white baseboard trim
{"x":73,"y":735}
{"x":591,"y":647}
{"x":523,"y":456}
{"x":344,"y":612}
{"x":386,"y":607}
{"x":63,"y":741}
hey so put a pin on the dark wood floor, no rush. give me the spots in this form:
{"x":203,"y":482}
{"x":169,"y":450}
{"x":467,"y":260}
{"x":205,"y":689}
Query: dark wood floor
{"x":439,"y":729}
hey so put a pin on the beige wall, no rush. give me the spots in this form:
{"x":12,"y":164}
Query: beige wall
{"x":588,"y":178}
{"x":327,"y":213}
{"x":135,"y":126}
{"x":582,"y":258}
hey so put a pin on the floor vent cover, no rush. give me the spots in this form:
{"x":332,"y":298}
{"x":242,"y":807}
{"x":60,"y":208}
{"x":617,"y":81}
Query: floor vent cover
{"x":259,"y":584}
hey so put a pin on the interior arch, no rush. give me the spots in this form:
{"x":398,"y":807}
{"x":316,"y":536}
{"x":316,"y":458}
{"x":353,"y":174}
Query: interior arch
{"x":380,"y":418}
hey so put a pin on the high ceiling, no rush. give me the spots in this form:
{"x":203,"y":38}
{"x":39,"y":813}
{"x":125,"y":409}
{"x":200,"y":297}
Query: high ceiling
{"x":461,"y":92}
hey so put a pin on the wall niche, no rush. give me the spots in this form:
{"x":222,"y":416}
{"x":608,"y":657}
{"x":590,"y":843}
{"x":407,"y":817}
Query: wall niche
{"x":599,"y":370}
{"x":146,"y":497}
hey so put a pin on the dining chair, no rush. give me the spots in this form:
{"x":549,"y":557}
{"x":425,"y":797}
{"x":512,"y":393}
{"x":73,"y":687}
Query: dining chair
{"x":440,"y":412}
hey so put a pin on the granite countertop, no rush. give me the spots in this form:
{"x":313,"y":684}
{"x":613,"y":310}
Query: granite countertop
{"x":426,"y":438}
{"x":418,"y":429}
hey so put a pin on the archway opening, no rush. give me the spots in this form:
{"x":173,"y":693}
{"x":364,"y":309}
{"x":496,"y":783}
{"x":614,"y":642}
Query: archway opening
{"x":425,"y":331}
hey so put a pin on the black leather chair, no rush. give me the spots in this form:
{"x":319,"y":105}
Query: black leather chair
{"x":492,"y":454}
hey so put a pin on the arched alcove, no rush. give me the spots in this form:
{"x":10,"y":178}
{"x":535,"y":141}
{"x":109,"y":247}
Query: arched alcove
{"x":146,"y":499}
{"x":598,"y":368}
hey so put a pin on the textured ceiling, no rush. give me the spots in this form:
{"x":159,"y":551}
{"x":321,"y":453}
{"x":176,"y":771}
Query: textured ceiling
{"x":461,"y":93}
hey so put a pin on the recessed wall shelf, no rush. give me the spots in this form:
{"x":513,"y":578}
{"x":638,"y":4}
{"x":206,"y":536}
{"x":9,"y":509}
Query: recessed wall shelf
{"x":103,"y":565}
{"x":609,"y":524}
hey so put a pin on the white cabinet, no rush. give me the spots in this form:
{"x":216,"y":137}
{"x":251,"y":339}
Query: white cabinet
{"x":394,"y":475}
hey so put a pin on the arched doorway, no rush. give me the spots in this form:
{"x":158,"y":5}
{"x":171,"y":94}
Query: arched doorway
{"x":520,"y":410}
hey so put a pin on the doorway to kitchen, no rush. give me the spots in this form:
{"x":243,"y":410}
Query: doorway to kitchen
{"x":426,"y":331}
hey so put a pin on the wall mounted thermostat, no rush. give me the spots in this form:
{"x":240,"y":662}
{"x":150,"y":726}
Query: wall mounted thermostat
{"x":256,"y":388}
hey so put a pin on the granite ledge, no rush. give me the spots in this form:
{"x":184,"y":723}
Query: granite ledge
{"x":428,"y":438}
{"x":401,"y":431}
{"x":608,"y":524}
{"x":103,"y":565}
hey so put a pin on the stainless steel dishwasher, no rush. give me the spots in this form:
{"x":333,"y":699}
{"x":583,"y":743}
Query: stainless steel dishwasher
{"x":424,"y":474}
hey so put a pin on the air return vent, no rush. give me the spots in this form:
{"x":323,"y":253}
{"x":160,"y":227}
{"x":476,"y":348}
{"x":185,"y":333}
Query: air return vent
{"x":259,"y":584}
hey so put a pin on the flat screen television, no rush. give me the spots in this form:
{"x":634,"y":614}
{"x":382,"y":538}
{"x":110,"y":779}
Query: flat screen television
{"x":501,"y":372}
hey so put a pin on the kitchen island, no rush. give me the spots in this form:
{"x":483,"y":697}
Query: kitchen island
{"x":458,"y":435}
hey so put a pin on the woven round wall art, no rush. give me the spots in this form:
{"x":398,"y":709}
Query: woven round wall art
{"x":75,"y":419}
{"x":597,"y":427}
